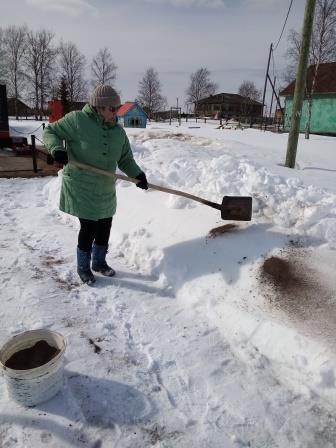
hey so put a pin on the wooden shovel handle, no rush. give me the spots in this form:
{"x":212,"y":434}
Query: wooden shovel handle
{"x":94,"y":169}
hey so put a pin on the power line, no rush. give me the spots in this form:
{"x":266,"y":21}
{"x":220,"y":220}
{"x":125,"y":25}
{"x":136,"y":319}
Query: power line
{"x":283,"y":28}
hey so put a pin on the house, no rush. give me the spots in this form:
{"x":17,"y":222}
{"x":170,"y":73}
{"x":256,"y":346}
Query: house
{"x":323,"y":111}
{"x":131,"y":115}
{"x":229,"y":105}
{"x":22,"y":109}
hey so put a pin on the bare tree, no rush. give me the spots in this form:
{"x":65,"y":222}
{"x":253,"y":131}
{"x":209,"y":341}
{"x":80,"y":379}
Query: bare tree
{"x":149,"y":93}
{"x":200,"y":87}
{"x":47,"y":67}
{"x":15,"y":47}
{"x":3,"y":65}
{"x":103,"y":68}
{"x":39,"y":59}
{"x":292,"y":55}
{"x":322,"y":48}
{"x":249,"y":90}
{"x":72,"y":66}
{"x":32,"y":62}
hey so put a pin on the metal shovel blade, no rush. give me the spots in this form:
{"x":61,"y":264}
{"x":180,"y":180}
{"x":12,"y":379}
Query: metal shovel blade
{"x":236,"y":208}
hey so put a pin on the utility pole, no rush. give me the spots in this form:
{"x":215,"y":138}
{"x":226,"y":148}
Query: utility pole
{"x":293,"y":136}
{"x":270,"y":112}
{"x":265,"y":86}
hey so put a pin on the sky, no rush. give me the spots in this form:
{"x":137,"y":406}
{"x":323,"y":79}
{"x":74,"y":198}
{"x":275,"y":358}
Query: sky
{"x":193,"y":343}
{"x":231,"y":38}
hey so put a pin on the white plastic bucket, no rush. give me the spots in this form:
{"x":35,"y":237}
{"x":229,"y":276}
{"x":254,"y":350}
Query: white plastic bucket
{"x":33,"y":386}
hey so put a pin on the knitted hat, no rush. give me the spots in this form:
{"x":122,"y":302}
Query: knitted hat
{"x":104,"y":95}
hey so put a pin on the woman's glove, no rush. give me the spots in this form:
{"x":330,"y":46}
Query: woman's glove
{"x":60,"y":157}
{"x":143,"y":181}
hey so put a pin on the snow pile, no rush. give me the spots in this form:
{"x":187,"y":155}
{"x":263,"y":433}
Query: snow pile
{"x":212,"y":172}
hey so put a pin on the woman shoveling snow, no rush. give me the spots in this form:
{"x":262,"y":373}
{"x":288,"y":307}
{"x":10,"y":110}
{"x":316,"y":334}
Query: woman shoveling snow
{"x":94,"y":137}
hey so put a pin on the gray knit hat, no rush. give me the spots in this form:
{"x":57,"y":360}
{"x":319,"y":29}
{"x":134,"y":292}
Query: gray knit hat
{"x":104,"y":95}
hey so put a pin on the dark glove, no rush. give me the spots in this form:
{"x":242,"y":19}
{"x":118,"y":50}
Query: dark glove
{"x":60,"y":157}
{"x":143,"y":181}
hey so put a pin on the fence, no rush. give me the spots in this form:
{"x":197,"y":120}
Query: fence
{"x":263,"y":123}
{"x":19,"y":147}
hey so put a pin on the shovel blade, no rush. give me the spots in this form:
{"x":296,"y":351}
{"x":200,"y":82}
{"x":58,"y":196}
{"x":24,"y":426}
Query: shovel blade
{"x":236,"y":208}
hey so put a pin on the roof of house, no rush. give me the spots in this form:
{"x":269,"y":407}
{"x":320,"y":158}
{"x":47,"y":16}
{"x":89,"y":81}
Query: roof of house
{"x":325,"y":81}
{"x":11,"y":100}
{"x":124,"y":108}
{"x":227,"y":97}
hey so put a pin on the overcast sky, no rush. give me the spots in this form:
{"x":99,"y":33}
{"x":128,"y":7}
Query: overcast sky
{"x":229,"y":37}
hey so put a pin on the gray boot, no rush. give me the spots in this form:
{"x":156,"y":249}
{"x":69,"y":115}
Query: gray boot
{"x":83,"y":266}
{"x":99,"y":261}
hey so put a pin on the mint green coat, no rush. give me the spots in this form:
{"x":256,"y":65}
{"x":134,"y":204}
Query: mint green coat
{"x":90,"y":140}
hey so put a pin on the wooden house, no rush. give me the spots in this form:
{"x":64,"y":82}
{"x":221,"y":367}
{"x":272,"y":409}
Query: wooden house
{"x":323,"y":111}
{"x":228,"y":105}
{"x":131,"y":115}
{"x":18,"y":107}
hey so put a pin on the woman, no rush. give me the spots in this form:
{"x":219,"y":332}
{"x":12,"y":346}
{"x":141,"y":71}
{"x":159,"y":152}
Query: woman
{"x":94,"y":137}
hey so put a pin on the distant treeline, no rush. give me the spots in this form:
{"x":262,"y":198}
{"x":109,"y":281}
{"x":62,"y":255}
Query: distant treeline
{"x":34,"y":66}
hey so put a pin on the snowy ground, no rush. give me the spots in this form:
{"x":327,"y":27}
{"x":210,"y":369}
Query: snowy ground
{"x":190,"y":345}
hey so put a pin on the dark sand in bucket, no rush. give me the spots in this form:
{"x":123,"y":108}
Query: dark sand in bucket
{"x":32,"y":357}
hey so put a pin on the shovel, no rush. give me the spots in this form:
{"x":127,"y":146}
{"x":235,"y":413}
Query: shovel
{"x":233,"y":208}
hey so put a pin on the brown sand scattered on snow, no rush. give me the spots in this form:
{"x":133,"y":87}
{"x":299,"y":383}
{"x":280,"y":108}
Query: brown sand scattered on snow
{"x":289,"y":277}
{"x":289,"y":284}
{"x":280,"y":273}
{"x":226,"y":228}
